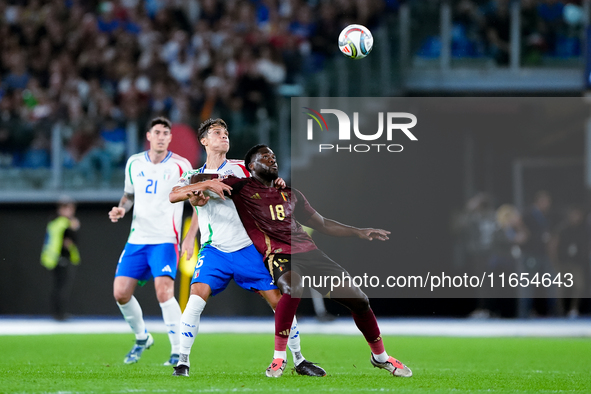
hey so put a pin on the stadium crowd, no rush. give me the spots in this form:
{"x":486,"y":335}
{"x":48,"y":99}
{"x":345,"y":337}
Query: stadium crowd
{"x":482,"y":28}
{"x":538,"y":239}
{"x":96,"y":66}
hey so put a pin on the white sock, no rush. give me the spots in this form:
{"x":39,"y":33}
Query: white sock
{"x":132,"y":313}
{"x":171,"y":313}
{"x":190,"y":326}
{"x":381,"y":358}
{"x":294,"y":343}
{"x":280,"y":354}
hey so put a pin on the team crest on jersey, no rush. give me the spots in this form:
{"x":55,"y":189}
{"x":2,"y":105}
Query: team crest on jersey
{"x":167,"y":175}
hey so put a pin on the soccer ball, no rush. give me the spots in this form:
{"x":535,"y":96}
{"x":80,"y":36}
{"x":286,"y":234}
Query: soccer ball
{"x":355,"y":41}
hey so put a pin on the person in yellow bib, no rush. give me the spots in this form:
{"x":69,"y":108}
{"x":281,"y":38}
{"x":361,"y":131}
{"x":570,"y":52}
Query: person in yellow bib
{"x":60,"y":253}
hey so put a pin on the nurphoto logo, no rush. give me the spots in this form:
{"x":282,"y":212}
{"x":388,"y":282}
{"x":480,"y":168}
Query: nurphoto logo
{"x":392,"y":125}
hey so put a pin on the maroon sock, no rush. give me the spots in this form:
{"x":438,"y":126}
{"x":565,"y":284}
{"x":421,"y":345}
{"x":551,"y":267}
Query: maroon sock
{"x":284,"y":313}
{"x":368,"y":325}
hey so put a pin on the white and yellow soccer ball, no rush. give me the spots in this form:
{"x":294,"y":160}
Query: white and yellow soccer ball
{"x":355,"y":41}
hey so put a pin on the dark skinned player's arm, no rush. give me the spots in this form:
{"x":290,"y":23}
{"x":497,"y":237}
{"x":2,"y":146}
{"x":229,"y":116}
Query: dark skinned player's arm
{"x":336,"y":229}
{"x":186,"y":192}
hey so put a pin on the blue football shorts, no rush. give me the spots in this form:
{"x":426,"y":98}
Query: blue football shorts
{"x":245,"y":266}
{"x":142,"y":262}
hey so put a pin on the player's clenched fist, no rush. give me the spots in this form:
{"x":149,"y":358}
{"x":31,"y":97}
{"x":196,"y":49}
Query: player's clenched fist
{"x":116,"y":213}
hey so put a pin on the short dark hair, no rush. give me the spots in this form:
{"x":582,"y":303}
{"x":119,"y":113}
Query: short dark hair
{"x":251,"y":152}
{"x":160,"y":120}
{"x":209,"y":123}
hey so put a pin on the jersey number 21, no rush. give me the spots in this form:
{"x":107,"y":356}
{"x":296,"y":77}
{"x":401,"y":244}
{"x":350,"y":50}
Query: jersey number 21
{"x":152,"y":185}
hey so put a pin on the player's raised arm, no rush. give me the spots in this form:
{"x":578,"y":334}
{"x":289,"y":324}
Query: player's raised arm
{"x":336,"y":229}
{"x":125,"y":205}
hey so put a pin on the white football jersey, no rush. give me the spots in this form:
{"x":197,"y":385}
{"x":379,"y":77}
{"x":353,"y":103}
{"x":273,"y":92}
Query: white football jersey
{"x":155,"y":219}
{"x":219,"y":222}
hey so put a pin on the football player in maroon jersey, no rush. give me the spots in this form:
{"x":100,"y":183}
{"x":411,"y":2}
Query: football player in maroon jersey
{"x":272,"y":219}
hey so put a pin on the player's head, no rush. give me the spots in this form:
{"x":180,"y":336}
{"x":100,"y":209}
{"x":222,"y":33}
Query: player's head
{"x":542,"y":200}
{"x":66,"y":206}
{"x":213,"y":135}
{"x":507,"y":216}
{"x":575,"y":215}
{"x":159,"y":134}
{"x":260,"y":161}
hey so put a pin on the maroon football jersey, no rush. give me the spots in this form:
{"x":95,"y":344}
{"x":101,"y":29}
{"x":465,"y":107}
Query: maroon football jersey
{"x":270,"y":216}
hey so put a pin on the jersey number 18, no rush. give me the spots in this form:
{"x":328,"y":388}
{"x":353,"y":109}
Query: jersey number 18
{"x":277,"y":212}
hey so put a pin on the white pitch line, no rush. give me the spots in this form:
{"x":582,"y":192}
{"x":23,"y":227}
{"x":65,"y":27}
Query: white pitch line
{"x":341,"y":326}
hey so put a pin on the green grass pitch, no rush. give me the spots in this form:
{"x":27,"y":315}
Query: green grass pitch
{"x":224,"y":363}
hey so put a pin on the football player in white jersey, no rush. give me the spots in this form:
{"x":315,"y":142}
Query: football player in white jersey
{"x":226,"y":250}
{"x":152,"y":249}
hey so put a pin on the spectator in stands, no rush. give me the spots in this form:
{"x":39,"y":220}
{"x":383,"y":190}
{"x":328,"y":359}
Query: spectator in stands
{"x":217,"y":88}
{"x":108,"y":22}
{"x":505,"y":253}
{"x":468,"y":24}
{"x":571,"y":253}
{"x":113,"y":134}
{"x":270,"y":66}
{"x":181,"y":69}
{"x":550,"y":12}
{"x":16,"y":134}
{"x":289,"y":46}
{"x":88,"y":154}
{"x":211,"y":12}
{"x":303,"y":24}
{"x":80,"y":54}
{"x":498,"y":27}
{"x":476,"y":229}
{"x":18,"y":77}
{"x":255,"y":92}
{"x":535,"y":252}
{"x":178,"y":43}
{"x":322,"y":40}
{"x":532,"y":41}
{"x":83,"y":139}
{"x":37,"y":154}
{"x":161,"y":101}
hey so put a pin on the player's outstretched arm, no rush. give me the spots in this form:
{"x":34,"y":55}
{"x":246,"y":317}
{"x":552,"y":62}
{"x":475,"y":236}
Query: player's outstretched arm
{"x":125,"y":205}
{"x":336,"y":229}
{"x":187,"y":192}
